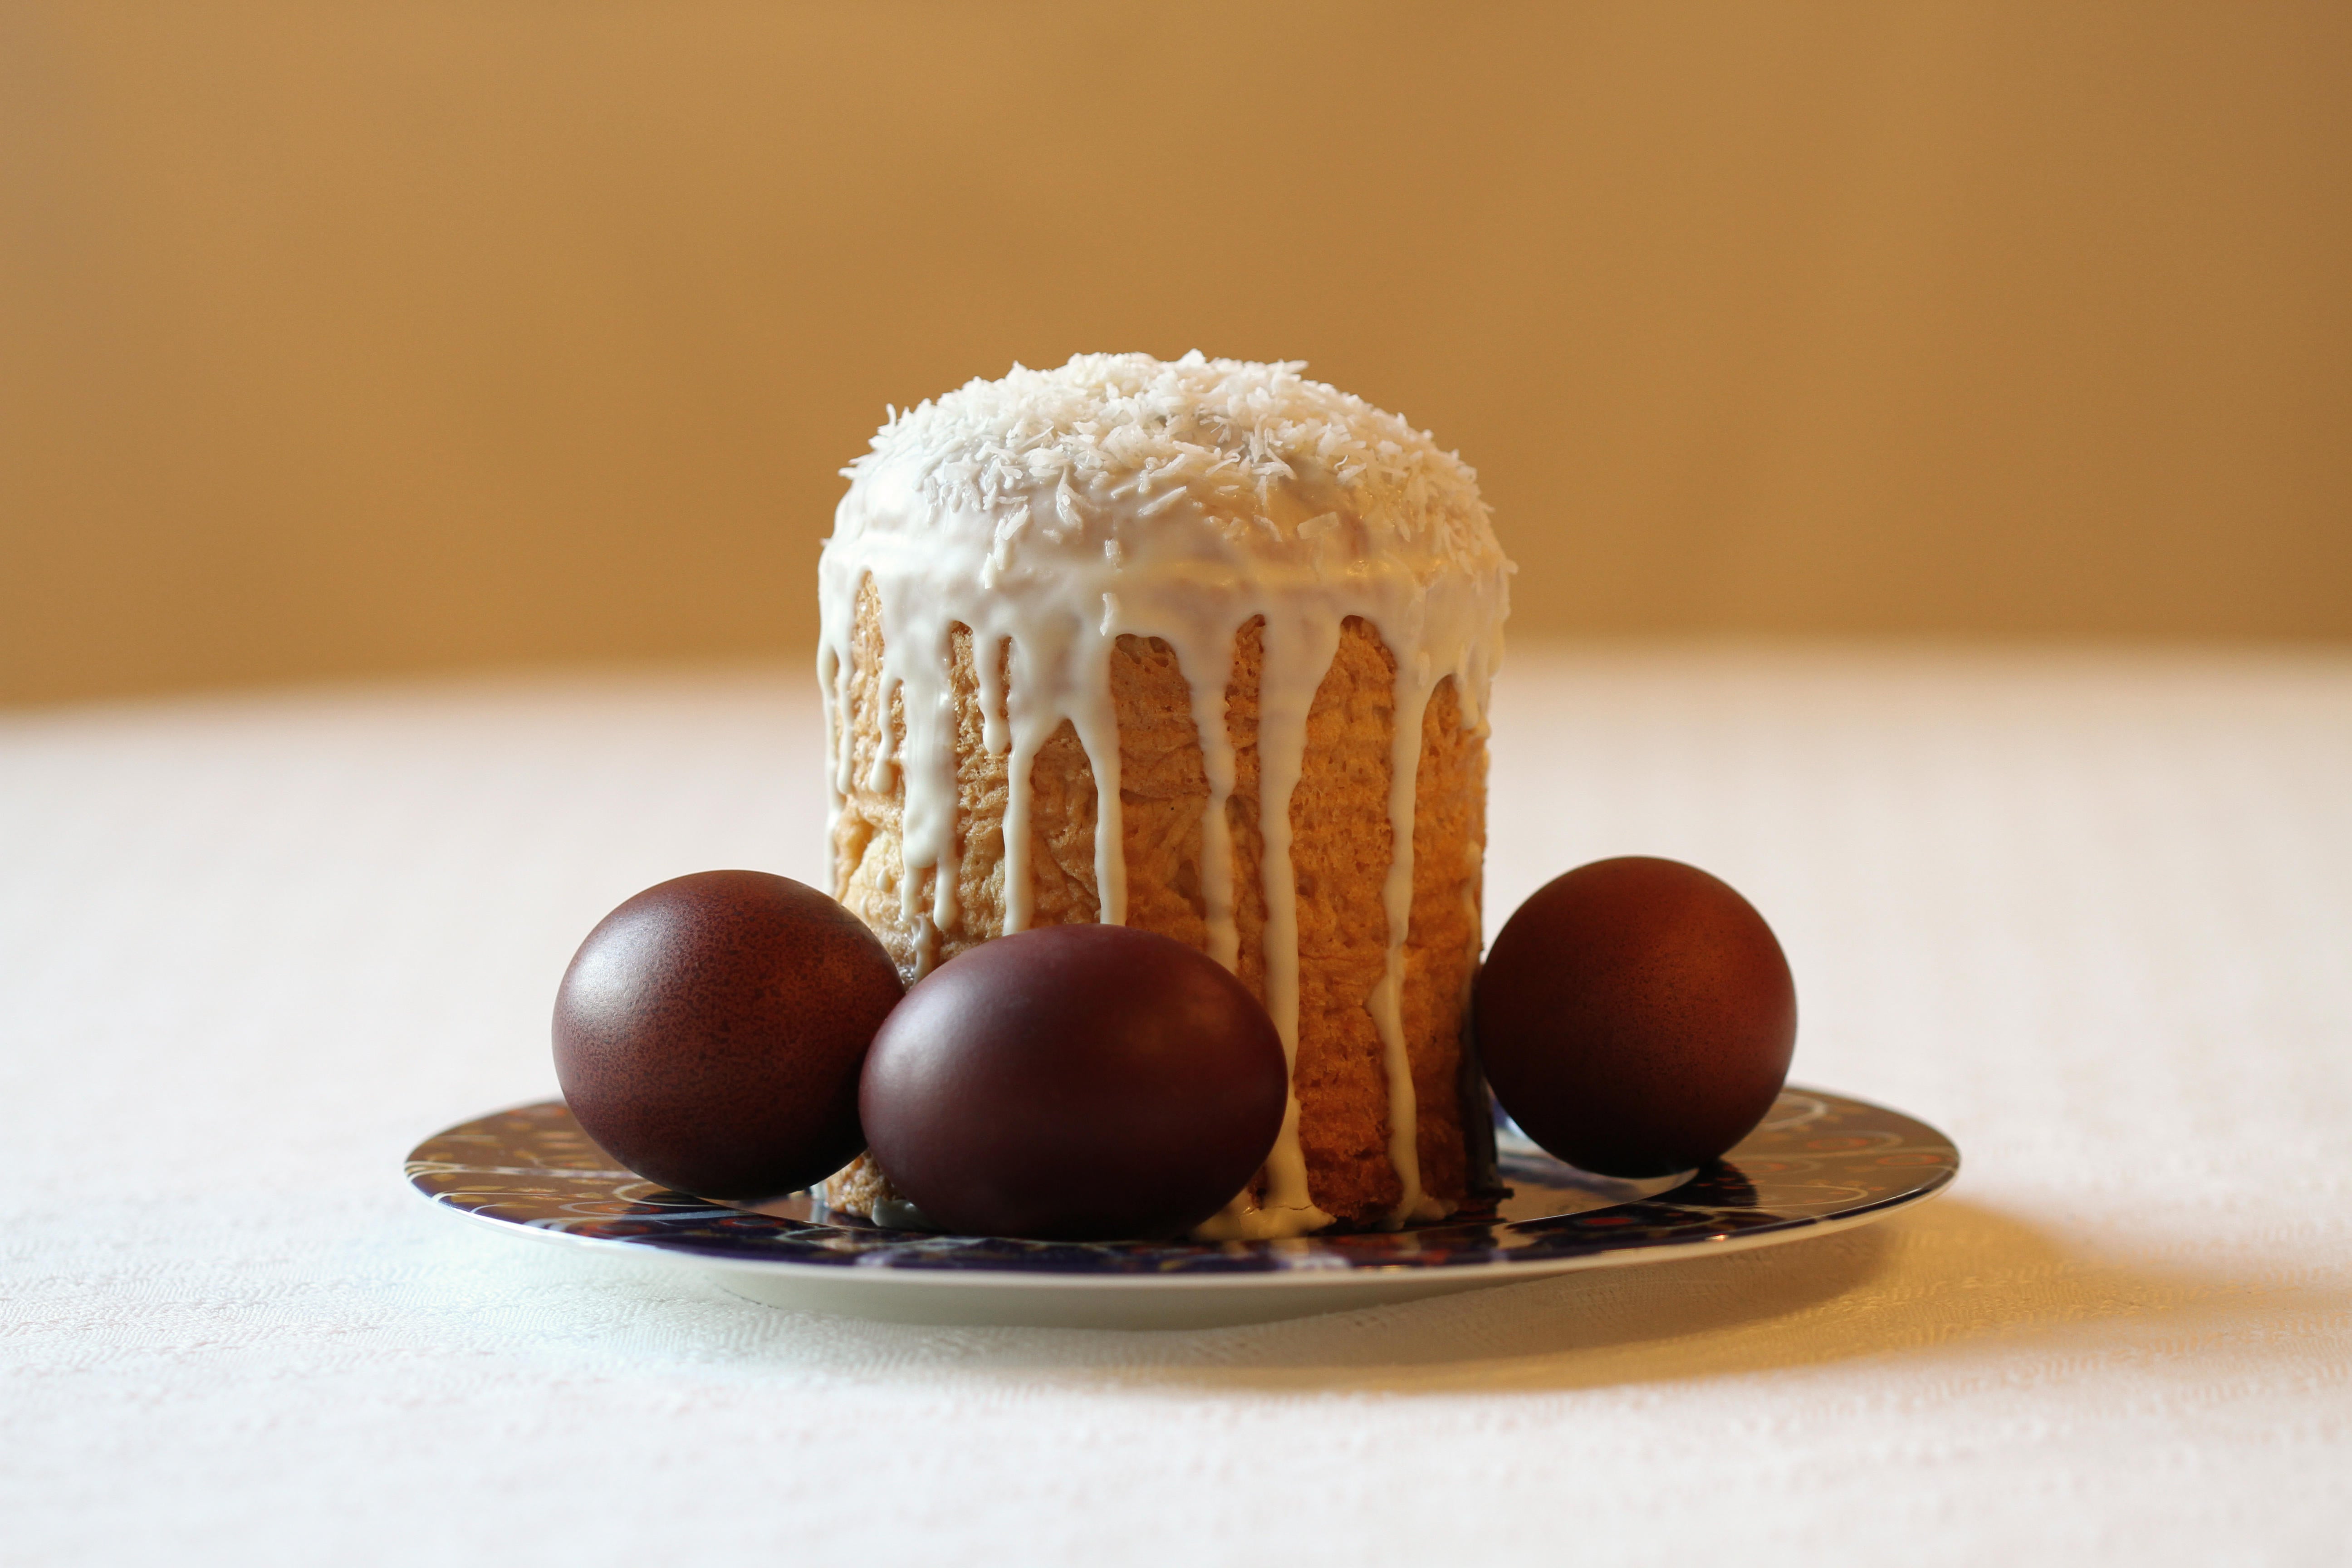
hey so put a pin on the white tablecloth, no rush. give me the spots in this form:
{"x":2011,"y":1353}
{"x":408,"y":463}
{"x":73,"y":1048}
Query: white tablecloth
{"x":2089,"y":913}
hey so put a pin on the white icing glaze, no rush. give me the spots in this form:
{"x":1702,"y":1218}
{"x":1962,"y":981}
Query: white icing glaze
{"x":1055,"y":510}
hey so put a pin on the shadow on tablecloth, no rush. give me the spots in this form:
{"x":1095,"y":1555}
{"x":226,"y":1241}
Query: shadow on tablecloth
{"x":1947,"y":1277}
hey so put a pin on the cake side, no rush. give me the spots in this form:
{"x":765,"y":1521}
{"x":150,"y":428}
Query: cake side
{"x":1445,"y":938}
{"x":1162,"y":787}
{"x":1343,"y":844}
{"x":1341,"y":852}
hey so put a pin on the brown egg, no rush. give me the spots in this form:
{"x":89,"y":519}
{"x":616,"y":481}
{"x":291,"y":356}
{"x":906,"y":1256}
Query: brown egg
{"x":710,"y":1032}
{"x":1078,"y":1082}
{"x":1636,"y":1016}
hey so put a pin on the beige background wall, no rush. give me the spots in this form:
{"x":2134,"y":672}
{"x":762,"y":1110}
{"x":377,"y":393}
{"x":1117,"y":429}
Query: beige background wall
{"x":357,"y":337}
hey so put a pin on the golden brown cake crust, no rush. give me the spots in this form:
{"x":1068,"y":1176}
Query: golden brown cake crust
{"x":1340,"y":855}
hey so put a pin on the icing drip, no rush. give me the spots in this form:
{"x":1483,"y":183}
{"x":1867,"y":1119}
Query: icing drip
{"x":1050,"y":514}
{"x":1209,"y":681}
{"x":1388,"y":997}
{"x":1096,"y":719}
{"x":1298,"y":650}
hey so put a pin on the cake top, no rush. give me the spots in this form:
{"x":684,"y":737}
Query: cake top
{"x":1109,"y":445}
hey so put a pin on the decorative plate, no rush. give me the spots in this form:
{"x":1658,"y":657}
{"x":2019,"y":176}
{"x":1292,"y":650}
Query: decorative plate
{"x":1819,"y":1163}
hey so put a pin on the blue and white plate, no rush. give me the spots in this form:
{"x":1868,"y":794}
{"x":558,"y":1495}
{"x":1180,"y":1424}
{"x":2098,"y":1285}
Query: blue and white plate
{"x":1819,"y":1163}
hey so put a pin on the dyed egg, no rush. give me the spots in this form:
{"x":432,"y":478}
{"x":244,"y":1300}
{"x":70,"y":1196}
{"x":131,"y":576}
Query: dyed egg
{"x":710,"y":1032}
{"x":1636,"y":1016}
{"x":1078,"y":1082}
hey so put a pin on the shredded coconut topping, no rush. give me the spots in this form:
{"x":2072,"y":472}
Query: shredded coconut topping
{"x":1254,"y":449}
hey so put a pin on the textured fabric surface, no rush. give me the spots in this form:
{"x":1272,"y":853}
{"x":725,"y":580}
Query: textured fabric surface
{"x":2090,"y":914}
